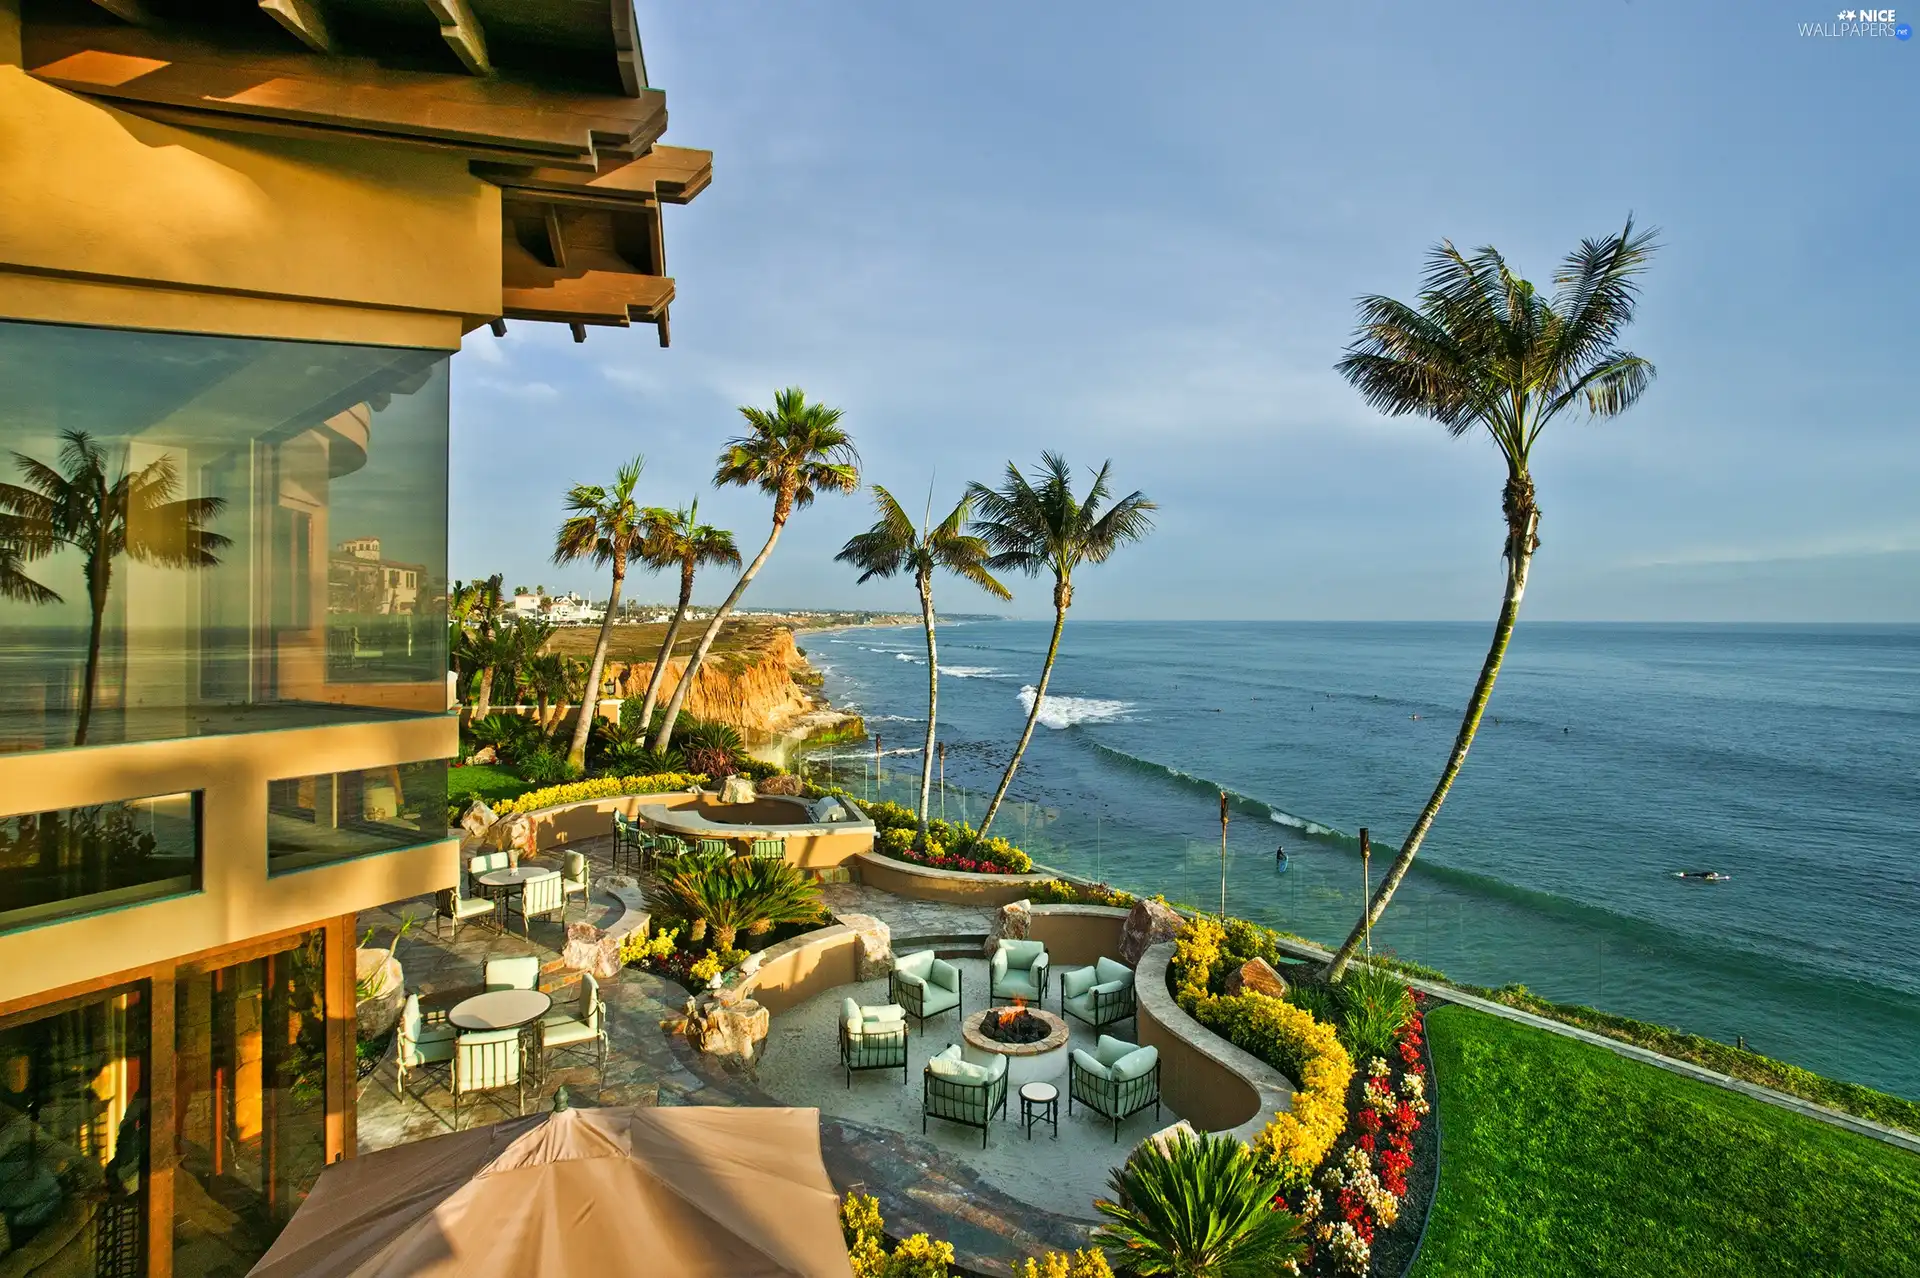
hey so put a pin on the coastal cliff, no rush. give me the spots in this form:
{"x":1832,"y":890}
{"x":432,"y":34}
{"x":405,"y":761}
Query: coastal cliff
{"x":760,"y":686}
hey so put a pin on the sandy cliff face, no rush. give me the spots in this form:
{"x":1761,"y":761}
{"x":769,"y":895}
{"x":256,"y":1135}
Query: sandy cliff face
{"x":754,"y":690}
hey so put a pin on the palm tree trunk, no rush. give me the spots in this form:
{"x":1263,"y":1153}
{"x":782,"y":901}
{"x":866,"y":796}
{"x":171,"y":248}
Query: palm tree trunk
{"x":663,"y":738}
{"x":933,"y":698}
{"x":666,"y":649}
{"x":99,"y":580}
{"x":1062,"y":599}
{"x":590,"y":701}
{"x":483,"y":699}
{"x":1520,"y":562}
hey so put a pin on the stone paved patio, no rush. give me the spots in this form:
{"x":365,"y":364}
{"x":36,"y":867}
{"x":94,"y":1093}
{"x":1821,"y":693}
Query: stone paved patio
{"x":922,"y":1184}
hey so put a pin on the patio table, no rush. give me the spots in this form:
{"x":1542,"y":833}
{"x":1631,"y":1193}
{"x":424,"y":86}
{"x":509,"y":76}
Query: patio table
{"x":507,"y":1009}
{"x":501,"y":884}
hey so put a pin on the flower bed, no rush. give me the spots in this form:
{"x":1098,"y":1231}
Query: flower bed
{"x":600,"y":788}
{"x":947,"y":845}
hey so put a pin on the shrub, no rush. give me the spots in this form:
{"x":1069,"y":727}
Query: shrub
{"x":888,"y":815}
{"x":513,"y":737}
{"x":915,"y":1257}
{"x":1199,"y":1206}
{"x":634,"y":759}
{"x":638,"y":947}
{"x":546,"y":766}
{"x":1316,"y":1000}
{"x":1374,"y":1008}
{"x":760,"y":770}
{"x":1091,"y":1263}
{"x":784,"y":783}
{"x":733,"y":893}
{"x":598,"y":788}
{"x":714,"y":762}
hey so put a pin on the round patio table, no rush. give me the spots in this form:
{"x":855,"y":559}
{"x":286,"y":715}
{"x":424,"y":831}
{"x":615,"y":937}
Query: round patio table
{"x":512,"y":878}
{"x":500,"y":1009}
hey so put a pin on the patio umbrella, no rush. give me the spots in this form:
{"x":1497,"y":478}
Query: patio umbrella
{"x":691,"y":1192}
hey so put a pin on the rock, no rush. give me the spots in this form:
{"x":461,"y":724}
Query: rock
{"x":485,"y":754}
{"x":1011,"y":922}
{"x":591,"y":949}
{"x":1148,"y":924}
{"x":785,"y":783}
{"x":729,"y":1030}
{"x":514,"y":835}
{"x":477,"y":819}
{"x":738,"y":788}
{"x":1164,"y":1138}
{"x":873,"y":951}
{"x":378,"y":974}
{"x":1256,"y":976}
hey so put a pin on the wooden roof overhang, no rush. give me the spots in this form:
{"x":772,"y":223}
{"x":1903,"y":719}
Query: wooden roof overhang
{"x":547,"y":99}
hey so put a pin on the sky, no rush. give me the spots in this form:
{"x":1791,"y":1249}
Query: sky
{"x":1136,"y":232}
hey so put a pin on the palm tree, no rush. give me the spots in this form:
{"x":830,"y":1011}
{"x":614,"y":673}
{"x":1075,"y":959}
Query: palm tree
{"x":607,"y":528}
{"x":677,"y":538}
{"x":104,"y":516}
{"x":790,"y":452}
{"x":1039,"y":525}
{"x":480,"y":650}
{"x":893,"y":545}
{"x":1196,"y":1206}
{"x":1484,"y":349}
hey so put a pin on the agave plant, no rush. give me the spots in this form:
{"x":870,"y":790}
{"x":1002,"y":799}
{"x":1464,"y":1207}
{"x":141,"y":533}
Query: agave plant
{"x":727,"y":895}
{"x":634,"y":759}
{"x":1196,"y":1206}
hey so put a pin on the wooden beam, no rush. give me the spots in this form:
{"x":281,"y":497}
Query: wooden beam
{"x":556,"y":243}
{"x":579,"y":332}
{"x":303,"y":20}
{"x":626,"y":48}
{"x":498,"y":327}
{"x":463,"y":34}
{"x":134,"y":11}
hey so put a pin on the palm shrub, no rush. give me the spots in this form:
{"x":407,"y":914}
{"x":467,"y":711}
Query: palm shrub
{"x":545,"y":766}
{"x":712,"y":748}
{"x":634,"y":759}
{"x":719,"y":896}
{"x":1196,"y":1206}
{"x":1375,"y":1007}
{"x":512,"y":736}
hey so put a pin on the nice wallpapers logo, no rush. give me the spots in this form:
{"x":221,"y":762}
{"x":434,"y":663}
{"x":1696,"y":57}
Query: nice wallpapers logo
{"x":1868,"y":23}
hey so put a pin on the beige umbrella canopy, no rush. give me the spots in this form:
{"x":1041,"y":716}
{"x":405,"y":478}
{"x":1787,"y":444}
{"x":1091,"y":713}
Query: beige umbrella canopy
{"x":693,"y":1192}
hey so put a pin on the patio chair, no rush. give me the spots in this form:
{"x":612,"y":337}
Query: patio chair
{"x":629,"y":845}
{"x":453,"y":903}
{"x":769,"y":849}
{"x":925,"y":985}
{"x":713,"y":847}
{"x":418,"y":1045}
{"x":1019,"y":970}
{"x":488,"y":1061}
{"x":522,"y":973}
{"x":961,"y":1092}
{"x":483,"y":863}
{"x":574,"y":880}
{"x":541,"y":897}
{"x":1116,"y":1080}
{"x":582,"y":1028}
{"x":1100,"y":995}
{"x":873,"y":1038}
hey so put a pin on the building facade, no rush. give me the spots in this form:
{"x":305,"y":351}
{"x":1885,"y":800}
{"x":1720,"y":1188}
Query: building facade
{"x":240,"y":245}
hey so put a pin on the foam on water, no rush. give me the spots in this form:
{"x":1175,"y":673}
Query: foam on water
{"x":1060,"y":713}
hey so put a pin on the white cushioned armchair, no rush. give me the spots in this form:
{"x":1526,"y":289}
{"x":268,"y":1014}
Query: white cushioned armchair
{"x":1100,"y":995}
{"x":1019,"y":970}
{"x":925,"y":985}
{"x":873,"y":1038}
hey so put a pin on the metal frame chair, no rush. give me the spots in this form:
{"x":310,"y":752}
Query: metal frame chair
{"x":879,"y":1043}
{"x":575,"y":880}
{"x":488,"y":1061}
{"x":542,"y":896}
{"x":585,"y":1030}
{"x":714,"y":847}
{"x":769,"y":849}
{"x":630,"y":845}
{"x":453,"y":903}
{"x":1116,"y":1099}
{"x":511,"y":972}
{"x":1089,"y":1005}
{"x":970,"y":1104}
{"x":912,"y":994}
{"x":418,"y":1046}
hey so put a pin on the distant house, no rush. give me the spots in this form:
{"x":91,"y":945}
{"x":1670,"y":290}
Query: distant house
{"x":360,"y":582}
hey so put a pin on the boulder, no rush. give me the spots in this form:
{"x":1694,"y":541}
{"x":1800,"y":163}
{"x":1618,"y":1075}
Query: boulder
{"x":380,"y":991}
{"x":1011,"y":922}
{"x":513,"y":835}
{"x":728,"y":1030}
{"x":1148,"y":924}
{"x":873,"y":951}
{"x":477,"y":819}
{"x":738,"y":788}
{"x":785,"y":783}
{"x":1256,"y":976}
{"x":590,"y":948}
{"x":485,"y":754}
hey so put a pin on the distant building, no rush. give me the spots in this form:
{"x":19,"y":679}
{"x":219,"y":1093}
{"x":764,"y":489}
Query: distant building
{"x":360,"y":582}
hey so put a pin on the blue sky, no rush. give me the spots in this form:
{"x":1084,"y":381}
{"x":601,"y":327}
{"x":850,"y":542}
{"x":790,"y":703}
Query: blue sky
{"x":1136,"y":231}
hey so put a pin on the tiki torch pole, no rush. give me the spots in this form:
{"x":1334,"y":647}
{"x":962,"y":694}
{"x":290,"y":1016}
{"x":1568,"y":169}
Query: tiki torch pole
{"x":1223,"y":856}
{"x":1366,"y":889}
{"x":943,"y":780}
{"x":876,"y":766}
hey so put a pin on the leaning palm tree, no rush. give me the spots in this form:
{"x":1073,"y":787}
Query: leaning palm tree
{"x":790,"y":452}
{"x":677,"y":539}
{"x":893,"y":545}
{"x":105,"y":515}
{"x":1483,"y":349}
{"x":1038,"y":525}
{"x":606,"y":527}
{"x":1196,"y":1206}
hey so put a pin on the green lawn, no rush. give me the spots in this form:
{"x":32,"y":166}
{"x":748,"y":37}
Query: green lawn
{"x":1561,"y":1158}
{"x":483,"y":781}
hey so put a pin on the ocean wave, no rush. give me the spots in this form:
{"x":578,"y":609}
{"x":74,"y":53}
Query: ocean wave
{"x":1244,"y":804}
{"x":1060,"y":713}
{"x":908,"y":656}
{"x":971,"y":672}
{"x":895,"y":718}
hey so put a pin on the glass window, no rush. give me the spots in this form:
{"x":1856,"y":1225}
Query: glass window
{"x":316,"y":820}
{"x":274,"y":518}
{"x":73,"y":1139}
{"x":250,"y":1060}
{"x":77,"y":860}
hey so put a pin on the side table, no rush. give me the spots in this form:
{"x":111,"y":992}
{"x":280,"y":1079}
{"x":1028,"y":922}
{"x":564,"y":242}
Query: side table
{"x":1040,"y":1103}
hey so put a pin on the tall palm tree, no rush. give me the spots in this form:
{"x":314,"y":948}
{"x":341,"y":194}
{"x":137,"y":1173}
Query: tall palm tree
{"x":104,"y":515}
{"x":677,"y":539}
{"x":893,"y":545}
{"x":1484,"y":349}
{"x":481,"y":649}
{"x":791,"y":452}
{"x":606,"y":527}
{"x":1038,"y":525}
{"x":1196,"y":1206}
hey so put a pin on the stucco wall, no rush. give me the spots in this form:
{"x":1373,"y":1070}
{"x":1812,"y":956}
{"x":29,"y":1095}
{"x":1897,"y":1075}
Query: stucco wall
{"x":1076,"y":935}
{"x":802,"y":966}
{"x":1208,"y":1081}
{"x":593,"y":818}
{"x":237,"y":900}
{"x":923,"y":884}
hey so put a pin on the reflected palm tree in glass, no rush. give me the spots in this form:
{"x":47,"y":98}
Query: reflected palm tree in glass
{"x":84,"y":505}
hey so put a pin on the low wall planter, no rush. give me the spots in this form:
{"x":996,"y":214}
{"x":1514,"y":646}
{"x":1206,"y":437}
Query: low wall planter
{"x":1206,"y":1079}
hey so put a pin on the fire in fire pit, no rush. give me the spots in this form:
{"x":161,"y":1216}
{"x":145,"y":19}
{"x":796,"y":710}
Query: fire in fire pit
{"x":1015,"y":1025}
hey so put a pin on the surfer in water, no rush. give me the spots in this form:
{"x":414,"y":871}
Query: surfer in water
{"x":1280,"y":857}
{"x":1704,"y":876}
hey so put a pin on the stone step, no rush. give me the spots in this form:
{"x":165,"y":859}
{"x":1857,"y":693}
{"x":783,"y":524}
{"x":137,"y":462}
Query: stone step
{"x":947,"y":946}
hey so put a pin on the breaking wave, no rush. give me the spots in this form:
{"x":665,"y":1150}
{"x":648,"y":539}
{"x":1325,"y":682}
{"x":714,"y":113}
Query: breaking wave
{"x":1060,"y":713}
{"x":971,"y":672}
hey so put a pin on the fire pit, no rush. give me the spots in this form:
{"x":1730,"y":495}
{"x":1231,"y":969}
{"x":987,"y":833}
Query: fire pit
{"x":1034,"y":1042}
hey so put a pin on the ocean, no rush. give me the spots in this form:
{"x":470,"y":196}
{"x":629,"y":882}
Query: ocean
{"x":1611,"y":757}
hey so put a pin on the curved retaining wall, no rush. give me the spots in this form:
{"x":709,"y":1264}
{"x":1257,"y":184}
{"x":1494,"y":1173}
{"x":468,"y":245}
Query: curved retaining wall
{"x":924,"y":883}
{"x":1208,"y":1081}
{"x":813,"y":848}
{"x":801,"y":966}
{"x":1076,"y":935}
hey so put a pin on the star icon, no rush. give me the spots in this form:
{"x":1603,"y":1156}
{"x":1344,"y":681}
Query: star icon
{"x":1846,"y":15}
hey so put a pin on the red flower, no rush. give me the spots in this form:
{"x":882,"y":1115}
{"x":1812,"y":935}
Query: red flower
{"x":1366,"y":1143}
{"x":1369,"y":1120}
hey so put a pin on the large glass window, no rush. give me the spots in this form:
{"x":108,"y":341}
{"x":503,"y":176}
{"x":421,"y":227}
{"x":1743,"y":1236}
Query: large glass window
{"x":207,"y":534}
{"x":315,"y":820}
{"x":251,"y":1068}
{"x":73,"y":1139}
{"x":77,"y":860}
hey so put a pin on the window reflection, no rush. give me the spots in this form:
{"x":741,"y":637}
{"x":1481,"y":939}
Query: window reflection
{"x":77,"y":860}
{"x":331,"y":817}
